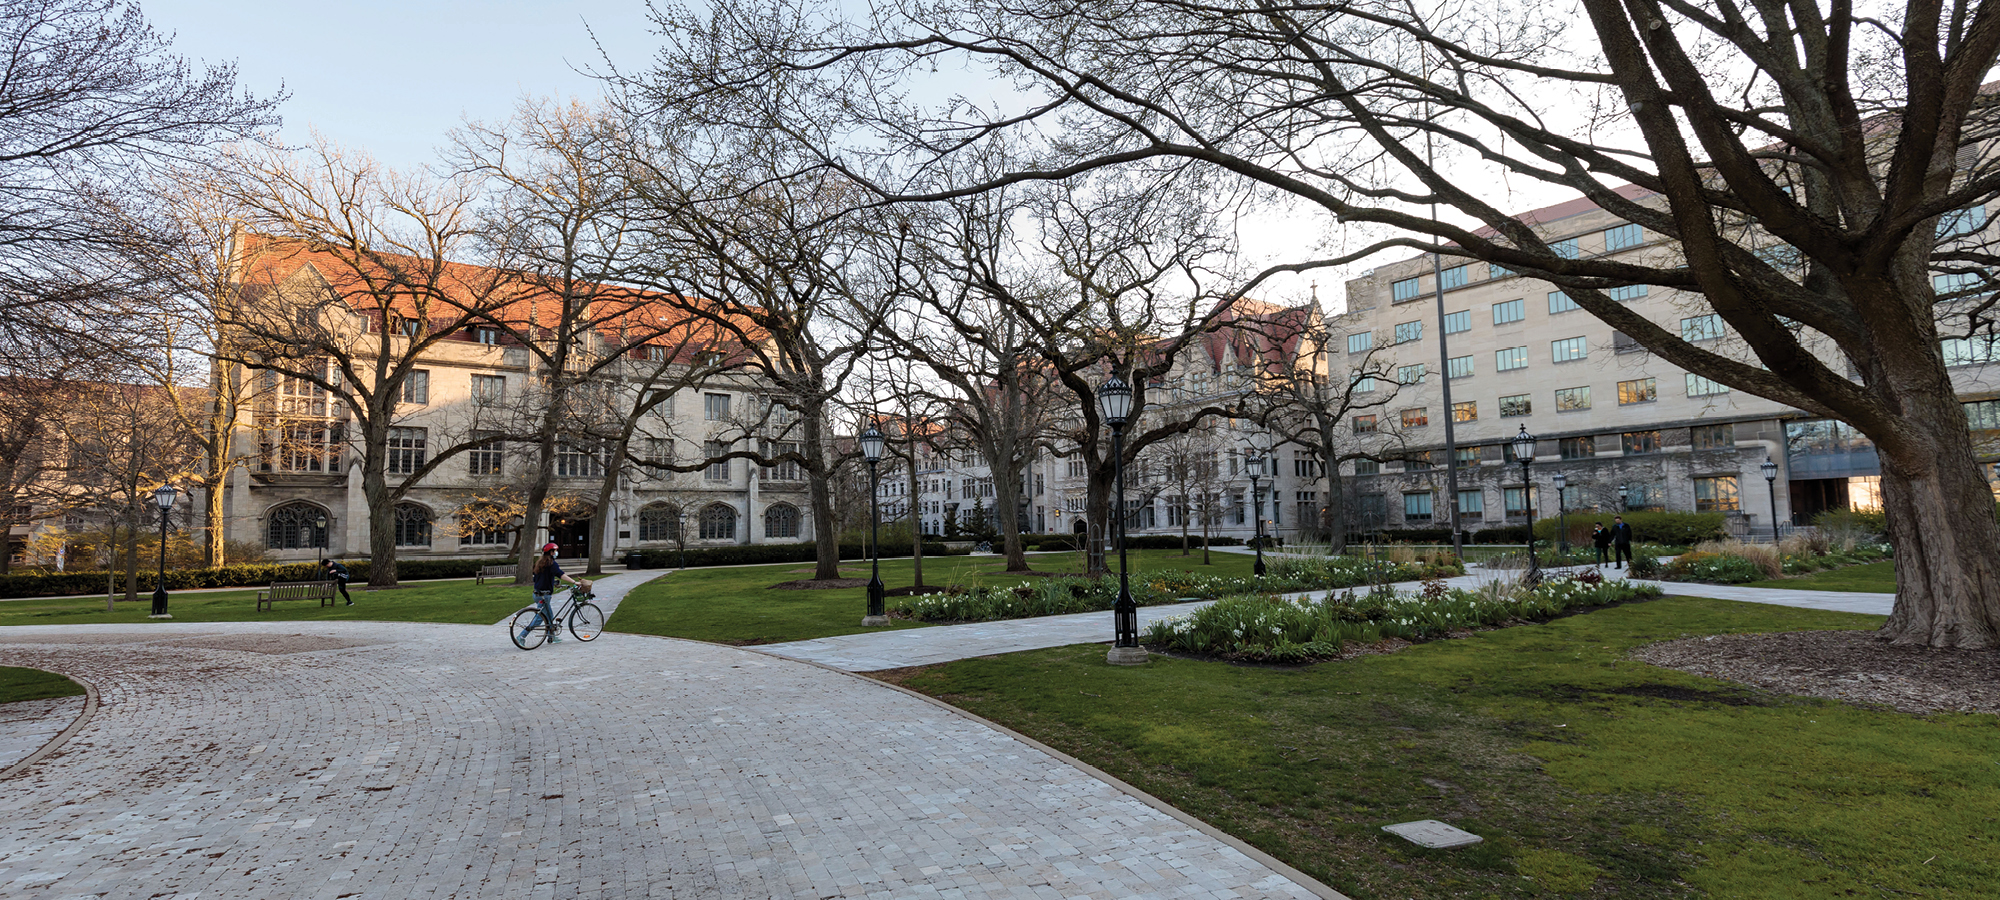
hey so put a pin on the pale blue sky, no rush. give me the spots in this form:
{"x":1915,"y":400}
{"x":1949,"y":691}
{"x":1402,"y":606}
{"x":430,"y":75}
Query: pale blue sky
{"x":393,"y":78}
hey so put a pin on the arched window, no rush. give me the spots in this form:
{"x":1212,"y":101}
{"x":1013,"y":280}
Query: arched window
{"x":781,"y":521}
{"x":413,"y":525}
{"x":295,"y":526}
{"x":718,"y":523}
{"x":659,"y":522}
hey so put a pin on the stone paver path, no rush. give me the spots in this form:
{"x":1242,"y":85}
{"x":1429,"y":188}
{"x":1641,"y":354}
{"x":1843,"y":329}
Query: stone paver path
{"x":393,"y":760}
{"x":27,"y":725}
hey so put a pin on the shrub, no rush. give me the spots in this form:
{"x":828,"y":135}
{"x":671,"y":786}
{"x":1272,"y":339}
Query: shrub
{"x":1645,"y":566}
{"x":247,"y":575}
{"x":1712,"y":568}
{"x":752,"y":554}
{"x":1764,"y":556}
{"x":1846,"y":529}
{"x":1677,"y":528}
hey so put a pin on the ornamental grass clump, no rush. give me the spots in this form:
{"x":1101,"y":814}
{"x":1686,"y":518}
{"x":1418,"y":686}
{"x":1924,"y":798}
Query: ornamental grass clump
{"x":1712,"y":568}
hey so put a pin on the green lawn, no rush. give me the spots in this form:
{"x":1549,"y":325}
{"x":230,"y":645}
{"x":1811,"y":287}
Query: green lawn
{"x":1586,"y":773}
{"x":736,"y":605}
{"x":430,"y":601}
{"x":1876,"y":578}
{"x":34,"y":684}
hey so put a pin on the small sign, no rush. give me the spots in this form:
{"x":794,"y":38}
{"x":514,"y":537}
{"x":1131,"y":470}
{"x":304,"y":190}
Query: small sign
{"x":1434,"y":834}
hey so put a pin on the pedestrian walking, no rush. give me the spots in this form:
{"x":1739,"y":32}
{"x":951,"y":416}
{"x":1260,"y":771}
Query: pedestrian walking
{"x":1621,"y":540}
{"x":546,"y":571}
{"x":1600,"y":537}
{"x":339,"y":575}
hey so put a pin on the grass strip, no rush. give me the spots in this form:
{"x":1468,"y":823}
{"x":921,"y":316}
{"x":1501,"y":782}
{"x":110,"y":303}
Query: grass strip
{"x":1873,"y":578}
{"x":18,"y":684}
{"x":462,"y":602}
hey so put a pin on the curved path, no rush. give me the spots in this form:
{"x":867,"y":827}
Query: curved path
{"x":337,"y":760}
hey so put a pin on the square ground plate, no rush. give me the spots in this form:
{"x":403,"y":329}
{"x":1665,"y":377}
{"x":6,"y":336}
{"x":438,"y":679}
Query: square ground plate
{"x":1433,"y":833}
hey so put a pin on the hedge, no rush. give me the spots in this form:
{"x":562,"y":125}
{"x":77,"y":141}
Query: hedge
{"x":1683,"y":529}
{"x":1053,"y":542}
{"x":252,"y":574}
{"x":752,"y":554}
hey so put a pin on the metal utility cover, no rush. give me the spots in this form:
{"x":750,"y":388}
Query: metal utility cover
{"x":1433,"y":833}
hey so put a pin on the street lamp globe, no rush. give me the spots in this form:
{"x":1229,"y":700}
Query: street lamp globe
{"x":1770,"y":469}
{"x":1114,"y":397}
{"x":871,"y":450}
{"x":872,"y":443}
{"x":1624,"y":498}
{"x":164,"y":496}
{"x":1524,"y":446}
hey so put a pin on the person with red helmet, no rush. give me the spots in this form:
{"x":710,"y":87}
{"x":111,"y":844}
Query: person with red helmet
{"x":546,"y":571}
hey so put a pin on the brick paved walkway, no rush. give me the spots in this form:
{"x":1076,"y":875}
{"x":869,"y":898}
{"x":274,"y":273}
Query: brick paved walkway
{"x":365,"y":760}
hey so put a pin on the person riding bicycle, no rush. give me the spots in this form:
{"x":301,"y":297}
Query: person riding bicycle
{"x":546,"y":571}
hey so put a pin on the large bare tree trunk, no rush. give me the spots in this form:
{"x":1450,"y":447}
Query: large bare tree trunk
{"x":1947,"y":545}
{"x":819,"y":491}
{"x":916,"y":522}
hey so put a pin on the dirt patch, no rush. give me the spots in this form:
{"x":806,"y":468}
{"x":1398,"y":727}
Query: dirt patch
{"x":1853,"y":666}
{"x":272,"y":643}
{"x":819,"y":584}
{"x":1672,"y":692}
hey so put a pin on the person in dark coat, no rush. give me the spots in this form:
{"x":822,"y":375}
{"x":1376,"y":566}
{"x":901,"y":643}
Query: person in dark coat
{"x":1621,"y":540}
{"x":339,"y":575}
{"x":1600,"y":538}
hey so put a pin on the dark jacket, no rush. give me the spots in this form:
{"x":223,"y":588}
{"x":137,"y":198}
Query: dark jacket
{"x":545,"y":580}
{"x":338,"y":572}
{"x":1621,"y":533}
{"x":1600,"y":536}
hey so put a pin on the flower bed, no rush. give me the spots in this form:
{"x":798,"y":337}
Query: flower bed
{"x":1269,"y":628}
{"x":1057,"y":596}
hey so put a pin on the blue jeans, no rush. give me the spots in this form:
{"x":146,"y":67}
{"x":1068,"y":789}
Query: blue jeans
{"x":544,"y":600}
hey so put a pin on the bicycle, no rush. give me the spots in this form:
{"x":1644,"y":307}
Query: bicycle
{"x":529,"y":628}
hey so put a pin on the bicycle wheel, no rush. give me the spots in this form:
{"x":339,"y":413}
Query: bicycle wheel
{"x":528,"y":628}
{"x":586,"y":621}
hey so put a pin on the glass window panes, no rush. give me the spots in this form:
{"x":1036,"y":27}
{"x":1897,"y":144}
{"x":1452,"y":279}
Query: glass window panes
{"x":489,"y":388}
{"x":417,"y":386}
{"x":1713,"y":437}
{"x":1457,"y":322}
{"x":1360,"y":342}
{"x":1568,"y":350}
{"x":781,"y":521}
{"x":1364,"y":424}
{"x":485,"y":458}
{"x":1716,"y":493}
{"x":1415,"y":418}
{"x":1467,"y":457}
{"x":1363,"y":383}
{"x":1409,"y":331}
{"x":1701,"y":328}
{"x":1454,"y":277}
{"x":1638,"y":390}
{"x":1697,"y":386}
{"x":1626,"y":235}
{"x":1516,"y":500}
{"x":1976,"y":350}
{"x":1466,"y":411}
{"x":406,"y":451}
{"x":1459,"y":367}
{"x":659,"y":522}
{"x":718,"y":523}
{"x":1954,"y":285}
{"x":1983,"y":415}
{"x":1367,"y":467}
{"x":719,"y":469}
{"x":1417,"y":506}
{"x":1471,"y":503}
{"x":1627,"y":292}
{"x":1418,"y":461}
{"x":1565,"y":248}
{"x":413,"y":525}
{"x":1403,"y":290}
{"x":1583,"y":447}
{"x":1560,"y":302}
{"x":1410,"y":374}
{"x":1961,"y":222}
{"x":1572,"y":399}
{"x":577,"y":460}
{"x":1640,"y":442}
{"x":1516,"y":405}
{"x":1496,"y":270}
{"x":1510,"y":358}
{"x":295,"y":526}
{"x":486,"y":334}
{"x":715,"y":407}
{"x":1509,"y":311}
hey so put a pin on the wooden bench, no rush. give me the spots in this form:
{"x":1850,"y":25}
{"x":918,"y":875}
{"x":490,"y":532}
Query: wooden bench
{"x":506,"y":571}
{"x":296,"y":590}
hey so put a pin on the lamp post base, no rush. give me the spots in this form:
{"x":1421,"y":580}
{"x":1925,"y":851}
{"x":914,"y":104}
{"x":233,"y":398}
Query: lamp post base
{"x":874,"y":621}
{"x":1126,"y":656}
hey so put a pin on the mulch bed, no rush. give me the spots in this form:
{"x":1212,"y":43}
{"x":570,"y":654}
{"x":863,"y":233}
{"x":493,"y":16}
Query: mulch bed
{"x":1851,"y":666}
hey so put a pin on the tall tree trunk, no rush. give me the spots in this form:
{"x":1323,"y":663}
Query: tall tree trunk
{"x":916,"y":523}
{"x":1941,"y":521}
{"x":1007,"y":508}
{"x":819,"y":491}
{"x":132,"y":562}
{"x":601,"y":518}
{"x":1097,"y":511}
{"x":381,"y":526}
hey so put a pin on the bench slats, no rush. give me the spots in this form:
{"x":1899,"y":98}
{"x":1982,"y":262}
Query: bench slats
{"x":322,"y":591}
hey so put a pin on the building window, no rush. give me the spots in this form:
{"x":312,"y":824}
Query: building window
{"x":1078,"y":468}
{"x":1972,"y":351}
{"x":1304,"y":465}
{"x":719,"y":469}
{"x":1701,"y":328}
{"x":783,"y":470}
{"x":1467,"y":457}
{"x":1983,"y":415}
{"x":1361,"y":384}
{"x":1465,"y":411}
{"x":484,"y":459}
{"x":1560,"y":302}
{"x":1458,"y":367}
{"x":489,"y":388}
{"x":1961,"y":222}
{"x":1403,"y":290}
{"x":1639,"y":443}
{"x":781,"y":521}
{"x":1410,"y":374}
{"x":1716,"y":493}
{"x":1638,"y":390}
{"x":417,"y":387}
{"x":486,"y":334}
{"x":1510,"y":358}
{"x":1713,"y":437}
{"x":413,"y":525}
{"x":1565,"y":248}
{"x":1455,"y":323}
{"x":715,"y":407}
{"x":295,"y":526}
{"x":1577,"y":447}
{"x":406,"y":327}
{"x":1417,"y":506}
{"x":1623,"y":236}
{"x":1453,"y":277}
{"x":1568,"y":350}
{"x":718,"y":523}
{"x":1361,"y":342}
{"x":1415,"y":418}
{"x":1417,"y":461}
{"x":1572,"y":399}
{"x":1627,"y":293}
{"x":659,"y":522}
{"x":480,"y":531}
{"x":1496,"y":270}
{"x":1515,"y":500}
{"x":1698,"y":386}
{"x":577,"y":460}
{"x":1955,"y":285}
{"x":1409,"y":331}
{"x":1641,"y":496}
{"x":1508,"y":311}
{"x":1516,"y":405}
{"x":1471,"y":503}
{"x":1367,"y":467}
{"x":406,"y":451}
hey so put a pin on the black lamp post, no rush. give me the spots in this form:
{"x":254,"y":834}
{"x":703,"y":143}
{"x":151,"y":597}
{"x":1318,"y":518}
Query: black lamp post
{"x":1562,"y":513}
{"x":1255,"y":462}
{"x":871,"y":450}
{"x":1524,"y":450}
{"x":320,"y":523}
{"x":1114,"y":397}
{"x":164,"y":496}
{"x":1771,"y":481}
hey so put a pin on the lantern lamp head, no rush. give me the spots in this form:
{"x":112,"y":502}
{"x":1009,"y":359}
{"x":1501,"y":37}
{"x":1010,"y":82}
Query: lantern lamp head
{"x":871,"y":444}
{"x":164,"y":496}
{"x":1115,"y":399}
